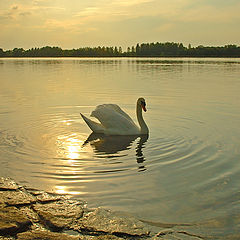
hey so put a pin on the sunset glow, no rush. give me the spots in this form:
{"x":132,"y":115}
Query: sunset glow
{"x":73,"y":24}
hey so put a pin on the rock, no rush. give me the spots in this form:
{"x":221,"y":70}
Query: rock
{"x":30,"y":214}
{"x":165,"y":232}
{"x":184,"y":235}
{"x":170,"y":234}
{"x":59,"y":215}
{"x":17,"y":198}
{"x":97,"y":236}
{"x":46,"y":197}
{"x":7,"y":184}
{"x":103,"y":237}
{"x":6,"y":238}
{"x":12,"y":221}
{"x":102,"y":220}
{"x":45,"y":235}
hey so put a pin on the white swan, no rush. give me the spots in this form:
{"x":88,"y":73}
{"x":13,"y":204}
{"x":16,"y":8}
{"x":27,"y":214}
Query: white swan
{"x":114,"y":121}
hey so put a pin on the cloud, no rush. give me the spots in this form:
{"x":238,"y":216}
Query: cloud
{"x":164,"y":27}
{"x":9,"y":14}
{"x":53,"y":24}
{"x":13,"y":15}
{"x":4,"y":17}
{"x":40,"y":2}
{"x":15,"y":7}
{"x":112,"y":22}
{"x":210,"y":14}
{"x":89,"y":11}
{"x":130,"y":3}
{"x":70,"y":27}
{"x":25,"y":14}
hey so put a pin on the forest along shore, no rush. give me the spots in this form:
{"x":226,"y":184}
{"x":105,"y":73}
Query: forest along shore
{"x":27,"y":213}
{"x":167,"y":49}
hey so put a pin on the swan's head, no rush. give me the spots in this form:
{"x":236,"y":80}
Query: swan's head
{"x":141,"y":102}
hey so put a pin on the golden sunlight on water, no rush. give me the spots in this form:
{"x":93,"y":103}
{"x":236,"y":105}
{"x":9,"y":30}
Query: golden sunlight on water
{"x":71,"y":147}
{"x":65,"y":190}
{"x":187,"y":171}
{"x":71,"y":152}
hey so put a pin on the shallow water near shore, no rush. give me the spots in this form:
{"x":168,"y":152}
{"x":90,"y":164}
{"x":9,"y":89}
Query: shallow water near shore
{"x":186,"y":171}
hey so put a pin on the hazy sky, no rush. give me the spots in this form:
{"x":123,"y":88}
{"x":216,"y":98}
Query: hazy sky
{"x":81,"y":23}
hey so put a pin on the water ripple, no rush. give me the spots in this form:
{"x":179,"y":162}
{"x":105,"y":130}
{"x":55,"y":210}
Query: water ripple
{"x":186,"y":170}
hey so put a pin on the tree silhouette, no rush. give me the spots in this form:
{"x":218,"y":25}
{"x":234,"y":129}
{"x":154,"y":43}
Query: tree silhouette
{"x":167,"y":49}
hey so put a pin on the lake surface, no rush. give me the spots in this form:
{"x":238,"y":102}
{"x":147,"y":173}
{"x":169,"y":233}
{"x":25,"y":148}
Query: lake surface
{"x":186,"y":171}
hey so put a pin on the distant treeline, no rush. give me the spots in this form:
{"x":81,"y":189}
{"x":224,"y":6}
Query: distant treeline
{"x":168,"y":49}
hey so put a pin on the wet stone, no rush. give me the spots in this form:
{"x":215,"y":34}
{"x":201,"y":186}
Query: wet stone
{"x":7,"y":184}
{"x":95,"y":237}
{"x":6,"y":238}
{"x":170,"y":234}
{"x":102,"y":237}
{"x":45,"y":235}
{"x":187,"y":235}
{"x":165,"y":232}
{"x":12,"y":220}
{"x":2,"y":204}
{"x":33,"y":191}
{"x":44,"y":197}
{"x":59,"y":215}
{"x":102,"y":220}
{"x":16,"y":198}
{"x":30,"y":214}
{"x":37,"y":226}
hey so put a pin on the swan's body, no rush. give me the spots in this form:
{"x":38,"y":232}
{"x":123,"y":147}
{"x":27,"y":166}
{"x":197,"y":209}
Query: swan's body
{"x":114,"y":121}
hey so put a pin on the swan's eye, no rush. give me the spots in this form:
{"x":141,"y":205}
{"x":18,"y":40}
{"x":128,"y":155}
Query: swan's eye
{"x":143,"y":103}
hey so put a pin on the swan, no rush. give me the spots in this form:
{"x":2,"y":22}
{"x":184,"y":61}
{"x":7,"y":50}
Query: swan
{"x":114,"y":121}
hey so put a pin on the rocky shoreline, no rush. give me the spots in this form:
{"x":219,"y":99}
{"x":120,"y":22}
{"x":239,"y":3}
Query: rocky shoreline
{"x":28,"y":214}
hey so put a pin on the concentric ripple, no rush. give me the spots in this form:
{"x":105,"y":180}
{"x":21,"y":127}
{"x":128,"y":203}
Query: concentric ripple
{"x":186,"y":171}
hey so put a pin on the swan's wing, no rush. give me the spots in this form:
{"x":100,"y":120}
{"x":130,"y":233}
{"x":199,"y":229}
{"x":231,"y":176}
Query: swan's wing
{"x":109,"y":107}
{"x":113,"y":117}
{"x":95,"y":127}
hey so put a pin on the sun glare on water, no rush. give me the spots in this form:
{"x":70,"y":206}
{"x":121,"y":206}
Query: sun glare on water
{"x":71,"y":152}
{"x":70,"y":147}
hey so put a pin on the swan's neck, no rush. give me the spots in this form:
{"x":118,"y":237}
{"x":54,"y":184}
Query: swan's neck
{"x":142,"y":124}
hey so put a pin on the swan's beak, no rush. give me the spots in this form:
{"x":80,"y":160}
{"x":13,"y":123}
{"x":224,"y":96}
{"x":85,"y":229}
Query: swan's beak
{"x":144,"y":107}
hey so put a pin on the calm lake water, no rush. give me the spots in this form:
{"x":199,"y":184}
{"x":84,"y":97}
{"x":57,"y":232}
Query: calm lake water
{"x":187,"y":171}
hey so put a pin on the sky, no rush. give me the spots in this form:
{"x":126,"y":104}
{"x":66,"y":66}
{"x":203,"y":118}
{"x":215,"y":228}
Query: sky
{"x":89,"y":23}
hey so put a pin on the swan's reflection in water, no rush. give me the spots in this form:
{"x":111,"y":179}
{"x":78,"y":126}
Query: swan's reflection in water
{"x":79,"y":159}
{"x":110,"y":145}
{"x":139,"y":153}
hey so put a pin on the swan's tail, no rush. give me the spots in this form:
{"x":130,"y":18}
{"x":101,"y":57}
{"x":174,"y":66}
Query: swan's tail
{"x":95,"y":127}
